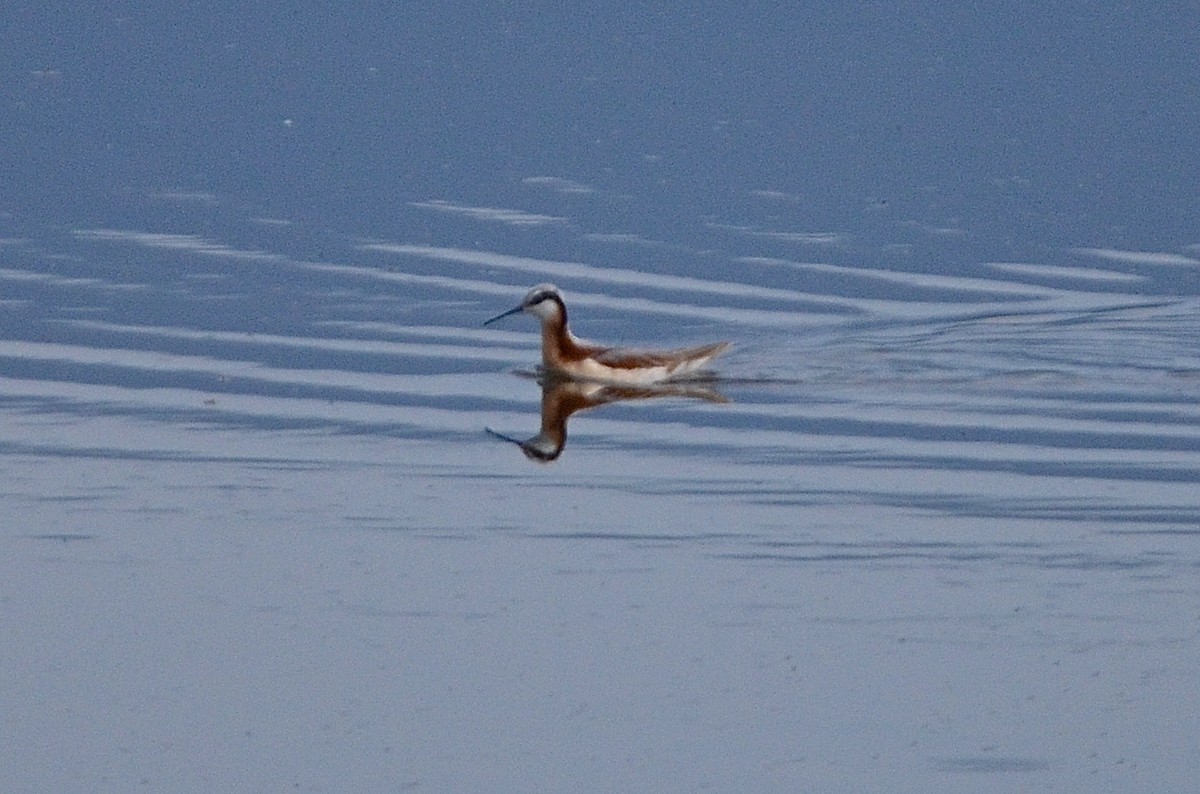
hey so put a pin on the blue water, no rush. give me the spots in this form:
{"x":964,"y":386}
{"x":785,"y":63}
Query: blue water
{"x":934,"y":526}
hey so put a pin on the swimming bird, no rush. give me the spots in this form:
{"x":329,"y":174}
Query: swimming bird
{"x":565,"y":356}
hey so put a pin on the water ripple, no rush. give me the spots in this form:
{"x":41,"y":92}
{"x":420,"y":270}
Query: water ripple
{"x":958,"y":393}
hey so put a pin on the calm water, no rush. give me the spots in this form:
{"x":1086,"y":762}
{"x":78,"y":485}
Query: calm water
{"x":935,"y":527}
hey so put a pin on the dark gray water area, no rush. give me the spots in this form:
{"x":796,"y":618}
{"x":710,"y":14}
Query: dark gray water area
{"x":934,"y":526}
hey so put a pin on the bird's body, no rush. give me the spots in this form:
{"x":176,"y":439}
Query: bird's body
{"x":563,"y":355}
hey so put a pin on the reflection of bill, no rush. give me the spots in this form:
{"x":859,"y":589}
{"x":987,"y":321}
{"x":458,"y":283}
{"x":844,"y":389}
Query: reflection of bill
{"x":561,"y":398}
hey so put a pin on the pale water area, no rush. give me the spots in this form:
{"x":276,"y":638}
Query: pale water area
{"x":933,"y":526}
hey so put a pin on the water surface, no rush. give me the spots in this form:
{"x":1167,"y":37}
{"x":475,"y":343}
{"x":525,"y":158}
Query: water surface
{"x":936,"y":527}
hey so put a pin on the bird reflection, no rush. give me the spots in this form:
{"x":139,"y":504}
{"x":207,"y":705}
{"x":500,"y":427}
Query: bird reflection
{"x":561,"y":398}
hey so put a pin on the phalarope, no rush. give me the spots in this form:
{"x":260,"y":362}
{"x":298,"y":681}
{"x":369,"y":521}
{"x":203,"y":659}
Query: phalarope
{"x":566,"y":356}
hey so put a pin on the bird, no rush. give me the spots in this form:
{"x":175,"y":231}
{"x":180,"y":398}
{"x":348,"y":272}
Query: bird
{"x":565,"y":356}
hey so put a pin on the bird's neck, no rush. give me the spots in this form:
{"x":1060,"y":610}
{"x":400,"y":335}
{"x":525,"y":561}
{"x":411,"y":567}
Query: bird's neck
{"x":559,"y":345}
